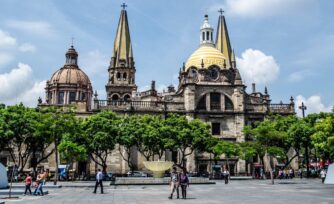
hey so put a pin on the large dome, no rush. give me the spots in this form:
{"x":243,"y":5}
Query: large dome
{"x":70,"y":75}
{"x":210,"y":56}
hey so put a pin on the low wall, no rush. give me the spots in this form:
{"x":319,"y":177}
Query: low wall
{"x":156,"y":181}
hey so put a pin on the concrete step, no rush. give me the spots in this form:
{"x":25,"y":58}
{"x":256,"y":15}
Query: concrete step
{"x":16,"y":192}
{"x":16,"y":186}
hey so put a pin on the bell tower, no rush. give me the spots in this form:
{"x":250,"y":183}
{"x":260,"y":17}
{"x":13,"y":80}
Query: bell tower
{"x":121,"y":81}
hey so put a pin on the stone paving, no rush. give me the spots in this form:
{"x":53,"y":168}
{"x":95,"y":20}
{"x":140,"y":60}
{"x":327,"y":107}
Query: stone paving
{"x":248,"y":191}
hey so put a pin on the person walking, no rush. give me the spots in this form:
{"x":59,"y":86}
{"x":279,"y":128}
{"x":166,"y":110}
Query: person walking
{"x":174,"y":183}
{"x":28,"y":181}
{"x":226,"y":174}
{"x":39,"y":184}
{"x":184,"y":182}
{"x":99,"y":181}
{"x":323,"y":175}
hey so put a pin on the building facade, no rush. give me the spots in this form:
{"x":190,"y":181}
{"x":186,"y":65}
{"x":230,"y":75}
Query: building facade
{"x":210,"y":88}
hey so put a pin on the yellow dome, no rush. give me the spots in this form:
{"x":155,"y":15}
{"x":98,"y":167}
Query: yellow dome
{"x":210,"y":56}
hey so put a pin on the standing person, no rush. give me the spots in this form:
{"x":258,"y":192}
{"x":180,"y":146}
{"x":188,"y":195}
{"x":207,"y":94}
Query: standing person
{"x":184,"y":182}
{"x":300,"y":172}
{"x":174,"y":183}
{"x":291,"y":173}
{"x":99,"y":181}
{"x":28,"y":181}
{"x":226,"y":174}
{"x":323,"y":175}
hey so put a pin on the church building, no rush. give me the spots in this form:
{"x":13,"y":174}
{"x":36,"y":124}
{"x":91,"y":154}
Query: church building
{"x":210,"y":88}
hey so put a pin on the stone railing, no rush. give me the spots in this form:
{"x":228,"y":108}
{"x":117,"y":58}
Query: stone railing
{"x":138,"y":105}
{"x":281,"y":108}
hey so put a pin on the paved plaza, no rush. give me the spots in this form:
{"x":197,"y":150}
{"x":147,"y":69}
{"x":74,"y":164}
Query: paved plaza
{"x":248,"y":191}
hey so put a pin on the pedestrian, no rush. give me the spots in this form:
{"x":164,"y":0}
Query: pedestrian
{"x":39,"y":184}
{"x":174,"y":183}
{"x":300,"y":172}
{"x":323,"y":175}
{"x":28,"y":181}
{"x":226,"y":174}
{"x":99,"y":181}
{"x":291,"y":173}
{"x":280,"y":174}
{"x":184,"y":182}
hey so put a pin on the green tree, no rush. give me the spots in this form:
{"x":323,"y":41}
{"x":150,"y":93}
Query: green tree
{"x":270,"y":139}
{"x":127,"y":139}
{"x":185,"y":136}
{"x":101,"y":132}
{"x":228,"y":149}
{"x":323,"y":137}
{"x":150,"y":141}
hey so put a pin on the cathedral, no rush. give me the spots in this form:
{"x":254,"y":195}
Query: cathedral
{"x":210,"y":88}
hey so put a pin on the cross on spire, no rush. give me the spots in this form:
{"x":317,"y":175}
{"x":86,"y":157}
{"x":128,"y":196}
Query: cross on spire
{"x":72,"y":40}
{"x":221,"y":11}
{"x":124,"y":6}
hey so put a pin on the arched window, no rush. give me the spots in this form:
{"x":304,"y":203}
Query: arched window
{"x":124,"y":76}
{"x":207,"y":35}
{"x":215,"y":101}
{"x":118,"y":76}
{"x":203,"y":36}
{"x":127,"y":98}
{"x":115,"y":97}
{"x":202,"y":103}
{"x":228,"y":103}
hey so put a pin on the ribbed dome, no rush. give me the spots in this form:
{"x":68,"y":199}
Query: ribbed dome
{"x":209,"y":55}
{"x":70,"y":75}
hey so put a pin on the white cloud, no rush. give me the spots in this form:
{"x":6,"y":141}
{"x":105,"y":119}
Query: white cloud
{"x":41,"y":28}
{"x":27,"y":47}
{"x":94,"y":62}
{"x":263,"y":8}
{"x":313,"y":104}
{"x":256,"y":66}
{"x":6,"y":40}
{"x":18,"y":86}
{"x":5,"y":58}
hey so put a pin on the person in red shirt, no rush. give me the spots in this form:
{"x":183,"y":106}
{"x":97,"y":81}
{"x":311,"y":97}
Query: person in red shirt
{"x":28,"y":181}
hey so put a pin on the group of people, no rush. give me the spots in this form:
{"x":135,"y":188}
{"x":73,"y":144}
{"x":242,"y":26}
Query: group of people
{"x":176,"y":180}
{"x":286,"y":173}
{"x":38,"y":184}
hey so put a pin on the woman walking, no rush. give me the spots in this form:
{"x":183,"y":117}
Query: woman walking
{"x":184,"y":181}
{"x":28,"y":181}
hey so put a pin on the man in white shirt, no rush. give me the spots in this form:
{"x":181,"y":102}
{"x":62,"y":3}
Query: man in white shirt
{"x":99,"y":181}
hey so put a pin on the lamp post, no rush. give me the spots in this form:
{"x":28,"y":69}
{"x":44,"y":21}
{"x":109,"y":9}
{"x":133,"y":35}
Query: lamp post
{"x":303,"y":108}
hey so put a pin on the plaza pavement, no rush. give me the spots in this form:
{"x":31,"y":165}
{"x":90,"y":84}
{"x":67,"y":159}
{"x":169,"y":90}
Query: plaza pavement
{"x":249,"y":191}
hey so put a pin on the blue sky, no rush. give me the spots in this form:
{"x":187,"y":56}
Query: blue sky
{"x":287,"y":45}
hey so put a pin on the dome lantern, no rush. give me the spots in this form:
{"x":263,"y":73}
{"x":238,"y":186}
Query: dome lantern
{"x":206,"y":36}
{"x":71,"y":57}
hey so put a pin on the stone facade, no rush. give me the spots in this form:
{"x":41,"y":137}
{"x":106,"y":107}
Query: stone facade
{"x":210,"y":88}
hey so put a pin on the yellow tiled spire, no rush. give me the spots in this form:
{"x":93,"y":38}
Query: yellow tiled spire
{"x":222,"y":39}
{"x":122,"y":53}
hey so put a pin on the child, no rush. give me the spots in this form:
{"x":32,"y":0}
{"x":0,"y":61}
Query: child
{"x":28,"y":181}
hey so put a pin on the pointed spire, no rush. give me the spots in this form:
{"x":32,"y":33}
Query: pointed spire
{"x":122,"y":53}
{"x":222,"y":38}
{"x":265,"y":90}
{"x":233,"y":62}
